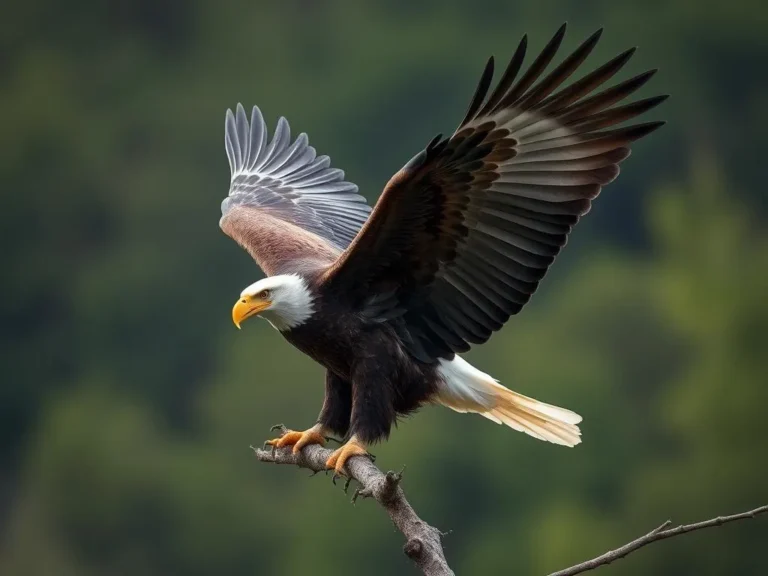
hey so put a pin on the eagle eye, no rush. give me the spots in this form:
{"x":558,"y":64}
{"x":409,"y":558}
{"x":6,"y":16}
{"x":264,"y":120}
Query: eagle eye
{"x":264,"y":294}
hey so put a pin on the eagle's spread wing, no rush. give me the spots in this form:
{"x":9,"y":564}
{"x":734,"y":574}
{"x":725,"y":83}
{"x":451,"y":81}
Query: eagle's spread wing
{"x":285,"y":203}
{"x":462,"y":235}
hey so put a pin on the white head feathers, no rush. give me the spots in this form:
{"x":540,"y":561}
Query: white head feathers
{"x":291,"y":300}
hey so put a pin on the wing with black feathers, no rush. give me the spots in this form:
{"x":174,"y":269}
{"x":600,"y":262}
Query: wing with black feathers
{"x":462,"y":235}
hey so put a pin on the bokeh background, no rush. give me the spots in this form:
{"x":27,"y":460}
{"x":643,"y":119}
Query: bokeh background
{"x":128,"y":400}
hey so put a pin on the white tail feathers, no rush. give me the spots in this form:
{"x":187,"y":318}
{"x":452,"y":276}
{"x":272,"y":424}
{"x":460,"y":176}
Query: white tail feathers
{"x":467,"y":389}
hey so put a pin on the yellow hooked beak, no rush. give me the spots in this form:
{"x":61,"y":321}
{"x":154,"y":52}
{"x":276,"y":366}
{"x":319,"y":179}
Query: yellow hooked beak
{"x":248,"y":306}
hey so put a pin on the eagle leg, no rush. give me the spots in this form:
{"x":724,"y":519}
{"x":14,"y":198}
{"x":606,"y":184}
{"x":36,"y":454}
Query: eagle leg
{"x":339,"y":458}
{"x":299,"y":440}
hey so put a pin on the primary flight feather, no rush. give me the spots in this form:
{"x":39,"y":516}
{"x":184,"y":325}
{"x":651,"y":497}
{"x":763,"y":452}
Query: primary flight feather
{"x":457,"y":243}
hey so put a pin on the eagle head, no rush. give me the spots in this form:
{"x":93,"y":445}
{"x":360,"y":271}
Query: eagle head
{"x":285,"y":301}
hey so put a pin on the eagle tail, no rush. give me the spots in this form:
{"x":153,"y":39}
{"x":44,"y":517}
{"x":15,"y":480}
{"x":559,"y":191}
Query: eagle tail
{"x":464,"y":388}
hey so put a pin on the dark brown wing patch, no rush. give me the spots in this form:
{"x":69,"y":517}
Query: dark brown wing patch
{"x":462,"y":235}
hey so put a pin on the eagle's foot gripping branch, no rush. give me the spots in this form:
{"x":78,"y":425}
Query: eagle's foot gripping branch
{"x":296,"y":439}
{"x":339,"y":458}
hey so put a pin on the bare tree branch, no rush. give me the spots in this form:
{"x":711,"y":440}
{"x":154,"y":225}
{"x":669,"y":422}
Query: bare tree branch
{"x":661,"y":533}
{"x":423,"y":542}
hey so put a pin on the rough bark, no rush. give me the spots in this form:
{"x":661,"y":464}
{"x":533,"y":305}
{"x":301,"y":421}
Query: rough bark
{"x":423,"y":543}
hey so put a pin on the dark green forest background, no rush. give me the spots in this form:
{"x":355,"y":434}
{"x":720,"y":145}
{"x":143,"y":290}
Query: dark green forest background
{"x":128,"y":400}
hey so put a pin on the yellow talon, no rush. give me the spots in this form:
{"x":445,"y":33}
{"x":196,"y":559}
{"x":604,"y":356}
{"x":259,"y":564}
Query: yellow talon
{"x":299,"y":439}
{"x":339,"y":458}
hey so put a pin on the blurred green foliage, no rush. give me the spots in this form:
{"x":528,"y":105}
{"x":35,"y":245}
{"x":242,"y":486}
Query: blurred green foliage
{"x":128,"y":401}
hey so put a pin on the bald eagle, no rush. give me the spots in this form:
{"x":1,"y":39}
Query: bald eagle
{"x":459,"y":240}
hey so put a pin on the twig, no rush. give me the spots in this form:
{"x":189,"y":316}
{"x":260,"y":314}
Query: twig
{"x":661,"y":533}
{"x":423,"y":542}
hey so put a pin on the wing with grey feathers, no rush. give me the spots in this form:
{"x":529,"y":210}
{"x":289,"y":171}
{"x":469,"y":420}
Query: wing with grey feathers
{"x":285,"y":203}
